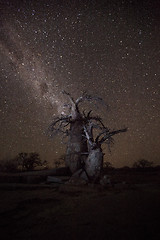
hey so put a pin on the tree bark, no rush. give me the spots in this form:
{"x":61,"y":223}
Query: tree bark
{"x":94,"y":164}
{"x":77,"y":144}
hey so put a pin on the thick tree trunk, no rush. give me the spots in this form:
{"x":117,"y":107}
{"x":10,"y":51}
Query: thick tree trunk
{"x":94,"y":164}
{"x":77,"y":144}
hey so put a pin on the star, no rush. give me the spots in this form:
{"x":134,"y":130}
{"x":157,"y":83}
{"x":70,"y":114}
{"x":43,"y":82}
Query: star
{"x":108,"y":50}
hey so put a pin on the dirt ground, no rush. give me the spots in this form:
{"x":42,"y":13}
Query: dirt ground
{"x":80,"y":212}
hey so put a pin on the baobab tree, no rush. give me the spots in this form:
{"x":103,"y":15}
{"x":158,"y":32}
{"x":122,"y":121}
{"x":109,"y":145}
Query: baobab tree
{"x":83,"y":152}
{"x":72,"y":125}
{"x":94,"y":162}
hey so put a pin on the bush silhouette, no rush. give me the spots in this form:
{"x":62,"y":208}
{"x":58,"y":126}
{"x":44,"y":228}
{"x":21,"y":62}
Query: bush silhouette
{"x":60,"y":161}
{"x":28,"y":161}
{"x":142,"y":163}
{"x":108,"y":165}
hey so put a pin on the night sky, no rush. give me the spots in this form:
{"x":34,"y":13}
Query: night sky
{"x":108,"y":48}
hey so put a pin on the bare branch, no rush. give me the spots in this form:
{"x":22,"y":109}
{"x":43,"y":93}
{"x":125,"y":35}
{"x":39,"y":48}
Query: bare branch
{"x":108,"y":135}
{"x":109,"y":142}
{"x":105,"y":130}
{"x":89,"y":138}
{"x":74,"y":108}
{"x":88,"y":114}
{"x":59,"y":125}
{"x":84,"y":115}
{"x":71,"y":99}
{"x":80,"y":99}
{"x":97,"y":119}
{"x":89,"y":98}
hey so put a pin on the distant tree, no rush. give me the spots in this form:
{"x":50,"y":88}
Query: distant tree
{"x":142,"y":163}
{"x":108,"y":165}
{"x":57,"y":163}
{"x":28,"y":161}
{"x":60,"y":161}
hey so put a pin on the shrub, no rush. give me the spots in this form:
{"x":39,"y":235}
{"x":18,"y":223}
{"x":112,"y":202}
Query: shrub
{"x":142,"y":163}
{"x":108,"y":165}
{"x":28,"y":161}
{"x":60,"y":161}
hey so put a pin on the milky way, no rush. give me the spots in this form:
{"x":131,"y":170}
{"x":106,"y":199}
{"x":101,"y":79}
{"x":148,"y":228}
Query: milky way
{"x":30,"y":68}
{"x":107,"y":48}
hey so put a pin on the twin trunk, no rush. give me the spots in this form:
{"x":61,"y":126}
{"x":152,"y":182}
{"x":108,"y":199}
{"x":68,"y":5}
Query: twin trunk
{"x":76,"y":157}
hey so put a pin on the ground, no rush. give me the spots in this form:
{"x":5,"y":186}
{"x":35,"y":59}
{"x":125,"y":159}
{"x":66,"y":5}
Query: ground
{"x":124,"y":211}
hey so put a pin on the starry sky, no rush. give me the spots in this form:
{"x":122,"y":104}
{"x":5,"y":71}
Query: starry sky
{"x":108,"y":48}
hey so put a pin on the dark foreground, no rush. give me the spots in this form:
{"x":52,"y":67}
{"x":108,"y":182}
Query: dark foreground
{"x":73,"y":212}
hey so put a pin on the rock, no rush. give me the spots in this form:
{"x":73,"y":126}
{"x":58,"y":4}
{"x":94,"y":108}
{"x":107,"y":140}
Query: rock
{"x":51,"y":179}
{"x":79,"y":178}
{"x":80,"y":174}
